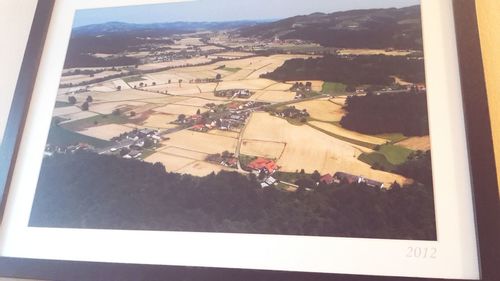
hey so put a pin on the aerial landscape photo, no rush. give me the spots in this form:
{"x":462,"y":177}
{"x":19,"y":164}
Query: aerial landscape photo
{"x":243,"y":117}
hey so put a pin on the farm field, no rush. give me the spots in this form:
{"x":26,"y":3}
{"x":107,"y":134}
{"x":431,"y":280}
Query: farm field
{"x":233,"y":54}
{"x":347,"y":134}
{"x":76,"y":79}
{"x":279,"y":87}
{"x":172,"y":150}
{"x":106,"y":132}
{"x":333,"y":88}
{"x":310,"y":149}
{"x":273,"y":96}
{"x":160,"y":121}
{"x":117,"y":96}
{"x":172,"y":163}
{"x":322,"y":109}
{"x":229,"y":134}
{"x":177,"y":109}
{"x":201,"y":142}
{"x":66,"y":110}
{"x":73,"y":117}
{"x":201,"y":169}
{"x":417,"y":143}
{"x":267,"y":149}
{"x":176,"y":63}
{"x":250,"y":84}
{"x":388,"y":157}
{"x":109,"y":107}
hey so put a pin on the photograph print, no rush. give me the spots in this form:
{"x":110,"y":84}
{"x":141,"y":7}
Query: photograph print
{"x":257,"y":117}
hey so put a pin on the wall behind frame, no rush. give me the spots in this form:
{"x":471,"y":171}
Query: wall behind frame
{"x":15,"y":24}
{"x":488,"y":12}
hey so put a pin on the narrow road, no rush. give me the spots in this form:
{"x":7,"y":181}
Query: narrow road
{"x":238,"y":145}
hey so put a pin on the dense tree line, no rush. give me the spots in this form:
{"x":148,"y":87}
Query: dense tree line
{"x":370,"y":28}
{"x":81,"y":48}
{"x":373,"y":70}
{"x":86,"y":190}
{"x":387,"y":113}
{"x":418,"y":167}
{"x":383,"y":35}
{"x":85,"y":60}
{"x":110,"y":44}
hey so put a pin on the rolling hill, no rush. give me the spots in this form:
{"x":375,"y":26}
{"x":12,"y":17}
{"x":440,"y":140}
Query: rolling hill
{"x":373,"y":28}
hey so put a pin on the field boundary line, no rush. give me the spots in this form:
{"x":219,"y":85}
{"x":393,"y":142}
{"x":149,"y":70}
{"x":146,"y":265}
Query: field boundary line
{"x":344,"y":139}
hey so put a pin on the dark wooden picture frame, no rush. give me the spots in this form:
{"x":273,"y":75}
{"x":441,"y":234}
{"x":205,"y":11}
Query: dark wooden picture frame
{"x":483,"y":174}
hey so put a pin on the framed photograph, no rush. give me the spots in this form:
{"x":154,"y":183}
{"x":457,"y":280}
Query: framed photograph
{"x":214,"y":139}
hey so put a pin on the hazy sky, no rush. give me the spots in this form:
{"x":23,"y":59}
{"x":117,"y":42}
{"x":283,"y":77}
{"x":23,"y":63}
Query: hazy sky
{"x":227,"y":10}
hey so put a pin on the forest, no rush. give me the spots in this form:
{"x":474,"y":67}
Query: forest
{"x":81,"y":48}
{"x":85,"y":60}
{"x":87,"y":190}
{"x":360,"y":70}
{"x":372,"y":114}
{"x":369,"y":28}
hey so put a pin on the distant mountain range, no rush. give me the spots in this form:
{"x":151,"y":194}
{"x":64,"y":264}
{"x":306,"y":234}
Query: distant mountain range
{"x":373,"y":28}
{"x":157,"y":29}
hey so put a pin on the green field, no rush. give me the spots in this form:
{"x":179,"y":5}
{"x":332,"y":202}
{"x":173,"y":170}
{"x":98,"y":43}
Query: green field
{"x":290,"y":177}
{"x":62,"y":137}
{"x":388,"y":157}
{"x":332,"y":88}
{"x":98,"y":120}
{"x":395,"y":154}
{"x":130,"y":79}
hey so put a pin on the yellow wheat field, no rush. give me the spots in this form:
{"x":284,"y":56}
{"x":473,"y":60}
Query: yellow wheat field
{"x":310,"y":149}
{"x":322,"y":109}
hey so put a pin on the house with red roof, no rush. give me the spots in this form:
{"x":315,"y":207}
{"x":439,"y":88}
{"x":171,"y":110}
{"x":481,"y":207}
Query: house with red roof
{"x":199,"y":128}
{"x":327,"y":179}
{"x":260,"y":164}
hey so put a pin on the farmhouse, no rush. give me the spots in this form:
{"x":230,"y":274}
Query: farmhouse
{"x":292,"y":112}
{"x":345,"y":177}
{"x":199,"y":128}
{"x":327,"y":179}
{"x":263,"y":164}
{"x":146,"y":133}
{"x":269,"y":181}
{"x":234,"y":93}
{"x":233,"y":106}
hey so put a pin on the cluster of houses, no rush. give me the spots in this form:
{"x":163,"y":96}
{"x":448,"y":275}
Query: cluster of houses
{"x":171,"y":56}
{"x":264,"y":169}
{"x":301,"y":87}
{"x":232,"y":115}
{"x":412,"y":88}
{"x":130,"y":145}
{"x":292,"y":112}
{"x":225,"y":123}
{"x":225,"y":159}
{"x":341,"y":177}
{"x":234,"y":93}
{"x":50,"y":149}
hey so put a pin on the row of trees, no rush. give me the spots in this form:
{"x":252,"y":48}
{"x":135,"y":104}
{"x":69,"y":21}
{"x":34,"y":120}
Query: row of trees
{"x":86,"y":190}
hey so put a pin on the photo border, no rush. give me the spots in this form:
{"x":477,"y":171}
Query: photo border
{"x":482,"y":170}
